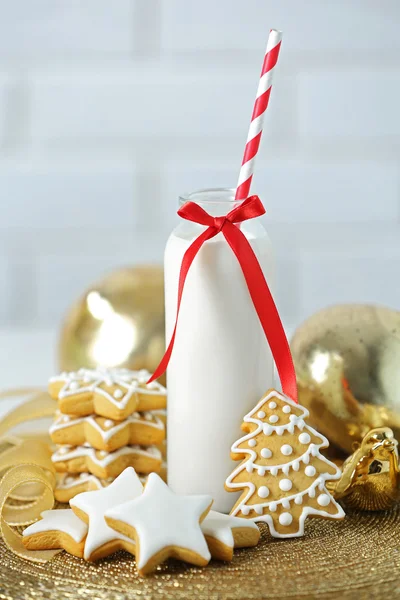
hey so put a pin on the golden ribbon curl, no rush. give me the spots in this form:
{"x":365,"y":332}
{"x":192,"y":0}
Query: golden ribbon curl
{"x":28,"y":474}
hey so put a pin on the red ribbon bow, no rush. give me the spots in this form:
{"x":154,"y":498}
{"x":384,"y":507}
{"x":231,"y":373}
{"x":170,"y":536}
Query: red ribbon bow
{"x":259,"y":291}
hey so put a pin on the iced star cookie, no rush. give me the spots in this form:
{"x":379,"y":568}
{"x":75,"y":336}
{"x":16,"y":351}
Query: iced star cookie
{"x":111,"y":393}
{"x":84,"y":459}
{"x":163,"y":525}
{"x":282,"y":473}
{"x":90,"y":507}
{"x":104,"y":434}
{"x":223,"y":533}
{"x":57,"y":529}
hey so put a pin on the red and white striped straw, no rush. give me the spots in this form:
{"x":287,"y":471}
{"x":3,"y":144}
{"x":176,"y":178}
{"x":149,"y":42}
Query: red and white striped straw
{"x":257,"y":119}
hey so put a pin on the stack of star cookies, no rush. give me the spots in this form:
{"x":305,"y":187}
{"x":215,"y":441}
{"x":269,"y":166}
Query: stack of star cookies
{"x":107,"y":420}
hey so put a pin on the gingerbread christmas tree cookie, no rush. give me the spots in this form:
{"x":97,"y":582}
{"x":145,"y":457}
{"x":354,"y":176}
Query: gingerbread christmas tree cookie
{"x":282,"y":473}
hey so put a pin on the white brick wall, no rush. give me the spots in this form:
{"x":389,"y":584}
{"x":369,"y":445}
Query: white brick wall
{"x":45,"y":28}
{"x":66,"y":198}
{"x":109,"y":110}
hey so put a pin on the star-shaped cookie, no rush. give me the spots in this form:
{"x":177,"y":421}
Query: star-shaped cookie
{"x":163,"y":525}
{"x":57,"y":529}
{"x":224,"y":533}
{"x":90,"y":507}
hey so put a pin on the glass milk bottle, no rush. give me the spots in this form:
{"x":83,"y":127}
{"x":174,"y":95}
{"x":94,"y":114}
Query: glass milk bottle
{"x":221,"y":363}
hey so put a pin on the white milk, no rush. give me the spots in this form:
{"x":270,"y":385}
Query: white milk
{"x":221,"y":363}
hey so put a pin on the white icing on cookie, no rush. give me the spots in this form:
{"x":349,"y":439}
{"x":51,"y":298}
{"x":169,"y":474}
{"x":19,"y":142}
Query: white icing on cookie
{"x":112,"y":427}
{"x":94,"y":504}
{"x":266,"y":453}
{"x":310,"y":471}
{"x":163,"y":519}
{"x":63,"y":520}
{"x":323,"y":499}
{"x":263,"y":491}
{"x":219,"y":527}
{"x":101,"y":457}
{"x":285,"y":485}
{"x":90,"y":380}
{"x":286,"y":449}
{"x":285,"y":518}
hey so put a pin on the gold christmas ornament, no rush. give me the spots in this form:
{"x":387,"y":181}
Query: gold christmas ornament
{"x":370,"y":476}
{"x":117,"y":322}
{"x":347,"y":361}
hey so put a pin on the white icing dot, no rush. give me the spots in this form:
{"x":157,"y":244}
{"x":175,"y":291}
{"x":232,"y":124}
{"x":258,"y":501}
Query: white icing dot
{"x":261,"y":471}
{"x":63,"y":450}
{"x":258,"y":508}
{"x":304,"y":438}
{"x":245,"y":510}
{"x":273,"y":418}
{"x":102,"y":453}
{"x":274,"y":471}
{"x":286,"y":449}
{"x":272,"y":404}
{"x":311,"y":493}
{"x":74,"y":385}
{"x":285,"y":503}
{"x":310,"y":471}
{"x":65,"y":419}
{"x":118,"y":394}
{"x":285,"y":485}
{"x":266,"y":453}
{"x":272,"y":506}
{"x":323,"y":500}
{"x":108,"y":423}
{"x":68,"y":480}
{"x":298,"y":500}
{"x":261,"y":414}
{"x":252,"y":443}
{"x":82,"y":475}
{"x":285,"y":518}
{"x":249,"y":468}
{"x":267,"y":429}
{"x":286,"y":409}
{"x":152,"y":385}
{"x":263,"y":491}
{"x":136,"y":415}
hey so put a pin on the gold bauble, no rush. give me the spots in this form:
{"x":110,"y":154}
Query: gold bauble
{"x":347,"y":361}
{"x":370,"y":476}
{"x":117,"y":322}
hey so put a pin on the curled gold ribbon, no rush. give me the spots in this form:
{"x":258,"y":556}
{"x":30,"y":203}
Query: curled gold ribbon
{"x":28,"y":474}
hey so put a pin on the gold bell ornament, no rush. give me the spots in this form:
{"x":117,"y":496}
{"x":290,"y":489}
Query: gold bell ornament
{"x":371,"y":475}
{"x":347,"y":365}
{"x":117,"y":322}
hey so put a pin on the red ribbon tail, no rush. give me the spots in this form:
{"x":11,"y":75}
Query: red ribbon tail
{"x":187,"y":260}
{"x":265,"y":308}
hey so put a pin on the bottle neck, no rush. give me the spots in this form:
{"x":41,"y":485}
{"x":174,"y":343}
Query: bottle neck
{"x":217,"y":202}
